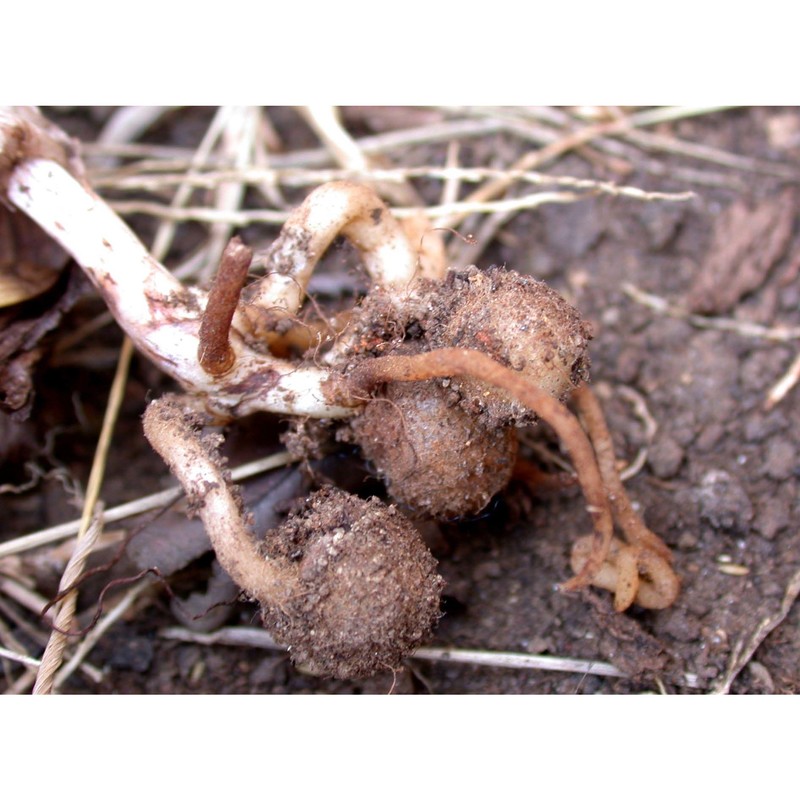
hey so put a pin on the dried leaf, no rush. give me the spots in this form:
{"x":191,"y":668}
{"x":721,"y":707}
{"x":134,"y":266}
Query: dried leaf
{"x":32,"y":298}
{"x":746,"y":244}
{"x":30,"y":261}
{"x":22,"y":328}
{"x":174,"y":541}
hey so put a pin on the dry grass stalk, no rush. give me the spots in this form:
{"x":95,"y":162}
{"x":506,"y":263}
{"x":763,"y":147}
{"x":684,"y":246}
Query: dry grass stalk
{"x":151,"y":502}
{"x":748,"y":329}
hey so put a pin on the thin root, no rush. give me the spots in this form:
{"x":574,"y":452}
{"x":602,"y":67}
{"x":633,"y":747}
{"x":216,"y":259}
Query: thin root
{"x":461,"y":362}
{"x":632,"y":525}
{"x":639,"y":571}
{"x":633,"y":574}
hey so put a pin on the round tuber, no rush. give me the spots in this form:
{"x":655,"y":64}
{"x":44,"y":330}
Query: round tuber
{"x":521,"y":323}
{"x":366,"y":591}
{"x":435,"y":458}
{"x":346,"y":584}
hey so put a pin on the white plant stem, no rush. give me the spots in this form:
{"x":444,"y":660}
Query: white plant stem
{"x":161,"y":316}
{"x":340,"y":208}
{"x":171,"y":432}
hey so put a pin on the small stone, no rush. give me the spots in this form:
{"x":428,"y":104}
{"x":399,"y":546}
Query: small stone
{"x":665,"y":457}
{"x":773,"y":516}
{"x":724,"y":502}
{"x":781,"y":459}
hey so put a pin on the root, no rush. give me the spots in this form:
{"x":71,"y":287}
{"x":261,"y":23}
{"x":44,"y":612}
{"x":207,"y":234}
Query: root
{"x":632,"y":525}
{"x":639,"y":571}
{"x":175,"y":435}
{"x":633,"y":574}
{"x":458,"y":362}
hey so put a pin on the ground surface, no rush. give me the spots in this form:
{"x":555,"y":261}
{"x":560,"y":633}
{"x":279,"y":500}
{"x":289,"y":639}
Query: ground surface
{"x":718,"y":482}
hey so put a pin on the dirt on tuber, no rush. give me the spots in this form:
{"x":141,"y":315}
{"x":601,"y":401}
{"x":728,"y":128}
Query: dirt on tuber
{"x":522,"y":324}
{"x":367,"y":592}
{"x":436,"y":459}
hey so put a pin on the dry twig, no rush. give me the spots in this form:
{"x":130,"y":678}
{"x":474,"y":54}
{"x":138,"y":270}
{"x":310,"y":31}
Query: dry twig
{"x":784,"y":385}
{"x":255,"y":637}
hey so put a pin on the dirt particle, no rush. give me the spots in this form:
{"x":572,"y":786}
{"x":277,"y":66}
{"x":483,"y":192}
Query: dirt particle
{"x":724,"y":502}
{"x":665,"y":457}
{"x":774,"y":513}
{"x":710,"y":437}
{"x":682,"y":626}
{"x":781,"y":459}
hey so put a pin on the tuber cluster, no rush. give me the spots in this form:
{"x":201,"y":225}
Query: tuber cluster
{"x":446,"y":450}
{"x":431,"y":375}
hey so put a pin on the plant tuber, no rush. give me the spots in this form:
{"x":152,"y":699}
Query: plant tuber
{"x":521,"y":323}
{"x":346,"y":584}
{"x":446,"y":451}
{"x":436,"y":459}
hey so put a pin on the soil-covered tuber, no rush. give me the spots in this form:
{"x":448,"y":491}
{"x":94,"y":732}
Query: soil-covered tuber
{"x":346,"y":584}
{"x":445,"y":449}
{"x":435,"y":457}
{"x":520,"y":322}
{"x":366,"y":593}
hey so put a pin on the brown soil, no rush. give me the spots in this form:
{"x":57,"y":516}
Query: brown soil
{"x":719,"y":480}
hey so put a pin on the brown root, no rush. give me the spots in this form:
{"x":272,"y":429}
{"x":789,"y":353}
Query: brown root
{"x":450,"y":362}
{"x":633,"y":574}
{"x":632,"y":525}
{"x":638,"y":572}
